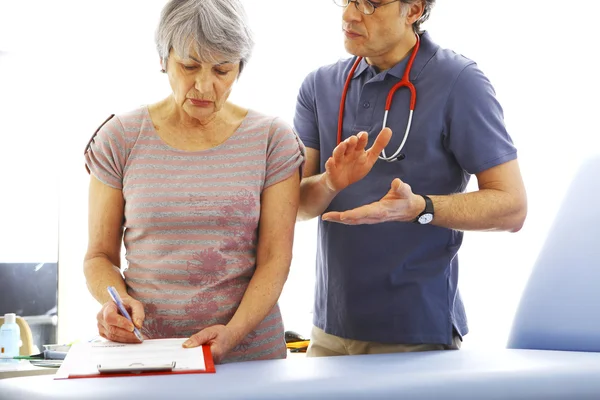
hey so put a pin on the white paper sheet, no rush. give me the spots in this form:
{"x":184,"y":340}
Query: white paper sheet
{"x":83,"y":358}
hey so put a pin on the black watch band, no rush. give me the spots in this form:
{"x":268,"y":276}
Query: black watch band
{"x":426,"y":216}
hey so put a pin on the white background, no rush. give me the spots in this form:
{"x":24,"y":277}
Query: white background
{"x":66,"y":65}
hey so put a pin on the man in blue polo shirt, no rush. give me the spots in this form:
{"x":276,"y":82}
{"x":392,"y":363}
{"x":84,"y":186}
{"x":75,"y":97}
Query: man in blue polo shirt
{"x":390,"y":230}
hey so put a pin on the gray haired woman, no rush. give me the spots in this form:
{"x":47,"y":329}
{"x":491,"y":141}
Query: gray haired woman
{"x":203,"y":194}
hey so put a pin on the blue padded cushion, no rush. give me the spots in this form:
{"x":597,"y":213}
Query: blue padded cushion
{"x":560,"y":306}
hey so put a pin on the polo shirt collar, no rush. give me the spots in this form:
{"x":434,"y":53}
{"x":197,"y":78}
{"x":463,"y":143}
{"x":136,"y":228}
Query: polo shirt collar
{"x":426,"y":51}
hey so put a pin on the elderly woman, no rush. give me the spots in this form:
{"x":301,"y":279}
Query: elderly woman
{"x":204,"y":195}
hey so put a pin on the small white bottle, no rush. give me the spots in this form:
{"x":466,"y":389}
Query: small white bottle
{"x":10,"y":337}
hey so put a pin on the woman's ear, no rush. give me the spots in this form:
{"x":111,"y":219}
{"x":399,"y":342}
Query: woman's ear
{"x":163,"y":65}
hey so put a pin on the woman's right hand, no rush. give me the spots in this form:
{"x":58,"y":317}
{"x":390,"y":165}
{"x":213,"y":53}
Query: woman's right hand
{"x":113,"y":326}
{"x":351,"y":162}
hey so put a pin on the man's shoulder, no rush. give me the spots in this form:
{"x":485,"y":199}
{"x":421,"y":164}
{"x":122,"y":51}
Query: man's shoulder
{"x":448,"y":64}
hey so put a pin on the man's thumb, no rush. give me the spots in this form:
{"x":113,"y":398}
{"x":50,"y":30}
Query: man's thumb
{"x":403,"y":190}
{"x":397,"y":185}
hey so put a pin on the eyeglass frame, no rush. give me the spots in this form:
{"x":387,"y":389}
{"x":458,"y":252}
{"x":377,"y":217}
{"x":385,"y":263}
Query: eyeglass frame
{"x":375,"y":6}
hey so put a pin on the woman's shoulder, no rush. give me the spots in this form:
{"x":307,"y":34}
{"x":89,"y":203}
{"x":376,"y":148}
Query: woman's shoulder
{"x":126,"y":125}
{"x":267,"y":123}
{"x":133,"y":119}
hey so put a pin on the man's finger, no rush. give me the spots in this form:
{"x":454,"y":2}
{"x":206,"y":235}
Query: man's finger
{"x":363,"y":139}
{"x":338,"y":152}
{"x":330,"y":163}
{"x":381,"y":141}
{"x":332,"y":216}
{"x":367,"y":214}
{"x":369,"y":211}
{"x":359,"y":142}
{"x":350,"y":145}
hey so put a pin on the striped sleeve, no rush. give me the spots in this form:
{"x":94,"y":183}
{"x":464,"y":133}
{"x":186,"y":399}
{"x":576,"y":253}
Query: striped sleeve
{"x":285,"y":153}
{"x":106,"y":155}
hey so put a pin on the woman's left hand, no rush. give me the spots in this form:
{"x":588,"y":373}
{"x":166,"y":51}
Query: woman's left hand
{"x":219,"y":337}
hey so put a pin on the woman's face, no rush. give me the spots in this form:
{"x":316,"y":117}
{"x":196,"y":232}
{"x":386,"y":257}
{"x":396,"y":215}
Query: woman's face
{"x":200,"y":89}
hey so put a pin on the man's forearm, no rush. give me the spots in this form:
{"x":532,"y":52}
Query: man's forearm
{"x":315,"y":197}
{"x":101,"y":273}
{"x":483,"y":210}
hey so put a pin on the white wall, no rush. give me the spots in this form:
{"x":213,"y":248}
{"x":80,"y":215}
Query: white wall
{"x":84,"y":60}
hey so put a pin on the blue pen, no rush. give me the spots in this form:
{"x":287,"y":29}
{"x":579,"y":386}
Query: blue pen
{"x":117,"y":299}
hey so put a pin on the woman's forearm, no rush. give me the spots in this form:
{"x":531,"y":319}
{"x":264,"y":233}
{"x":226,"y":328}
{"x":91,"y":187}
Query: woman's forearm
{"x":100,"y":273}
{"x":259,"y":299}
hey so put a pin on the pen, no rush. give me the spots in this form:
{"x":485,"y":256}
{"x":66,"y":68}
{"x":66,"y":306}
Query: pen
{"x":117,"y":299}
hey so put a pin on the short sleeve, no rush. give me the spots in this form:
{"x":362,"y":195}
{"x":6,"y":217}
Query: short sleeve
{"x":106,"y":154}
{"x":285,"y":153}
{"x":305,"y":117}
{"x":474,"y":124}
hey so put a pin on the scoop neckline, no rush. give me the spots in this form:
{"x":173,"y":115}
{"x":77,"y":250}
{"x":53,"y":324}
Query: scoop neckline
{"x":217,"y":147}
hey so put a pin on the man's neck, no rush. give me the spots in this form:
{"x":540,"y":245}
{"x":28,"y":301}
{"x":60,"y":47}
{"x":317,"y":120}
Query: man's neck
{"x":387,"y":60}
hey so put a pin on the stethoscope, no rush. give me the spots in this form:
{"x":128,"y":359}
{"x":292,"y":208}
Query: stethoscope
{"x":404,"y":82}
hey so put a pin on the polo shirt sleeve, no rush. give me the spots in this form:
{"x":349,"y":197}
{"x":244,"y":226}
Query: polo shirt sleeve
{"x":305,"y":118}
{"x":474,"y":129}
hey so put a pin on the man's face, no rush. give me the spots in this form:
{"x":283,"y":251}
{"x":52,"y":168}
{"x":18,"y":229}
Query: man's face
{"x":377,"y":34}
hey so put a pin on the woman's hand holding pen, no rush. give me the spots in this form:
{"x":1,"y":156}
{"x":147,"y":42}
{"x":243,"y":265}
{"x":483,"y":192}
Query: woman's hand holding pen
{"x":113,"y":326}
{"x":220,"y":338}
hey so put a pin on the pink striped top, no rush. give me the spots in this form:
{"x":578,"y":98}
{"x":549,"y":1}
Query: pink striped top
{"x":191,"y":220}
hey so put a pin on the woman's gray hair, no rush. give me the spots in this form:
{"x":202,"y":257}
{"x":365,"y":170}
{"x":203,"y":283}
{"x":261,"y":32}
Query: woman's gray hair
{"x":216,"y":29}
{"x":427,"y":6}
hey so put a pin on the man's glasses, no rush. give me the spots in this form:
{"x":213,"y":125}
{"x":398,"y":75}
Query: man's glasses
{"x":364,"y":6}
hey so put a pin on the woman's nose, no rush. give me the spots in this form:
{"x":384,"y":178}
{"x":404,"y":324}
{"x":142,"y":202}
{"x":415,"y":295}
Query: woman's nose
{"x":203,"y":83}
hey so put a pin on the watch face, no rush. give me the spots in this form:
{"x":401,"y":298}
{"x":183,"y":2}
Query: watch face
{"x":425,"y":219}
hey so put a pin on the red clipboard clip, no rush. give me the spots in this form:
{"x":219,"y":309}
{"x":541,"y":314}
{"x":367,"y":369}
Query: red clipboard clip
{"x":135,"y":368}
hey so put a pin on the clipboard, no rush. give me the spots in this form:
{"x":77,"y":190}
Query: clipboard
{"x":152,"y":357}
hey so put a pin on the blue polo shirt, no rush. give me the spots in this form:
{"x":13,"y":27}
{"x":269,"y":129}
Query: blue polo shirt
{"x":397,"y":282}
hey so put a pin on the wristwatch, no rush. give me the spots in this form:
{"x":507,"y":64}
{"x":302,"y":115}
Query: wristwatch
{"x":426,"y":215}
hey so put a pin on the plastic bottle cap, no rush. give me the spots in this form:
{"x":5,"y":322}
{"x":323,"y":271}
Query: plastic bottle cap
{"x":10,"y":318}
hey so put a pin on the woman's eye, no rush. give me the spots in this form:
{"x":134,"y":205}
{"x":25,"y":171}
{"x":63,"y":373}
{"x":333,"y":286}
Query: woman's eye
{"x":189,"y":67}
{"x":221,"y":72}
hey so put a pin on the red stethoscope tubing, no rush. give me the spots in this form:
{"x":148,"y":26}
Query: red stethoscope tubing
{"x":404,"y":82}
